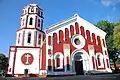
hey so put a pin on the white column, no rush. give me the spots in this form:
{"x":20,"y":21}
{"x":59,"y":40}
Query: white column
{"x":66,"y":48}
{"x":91,"y":53}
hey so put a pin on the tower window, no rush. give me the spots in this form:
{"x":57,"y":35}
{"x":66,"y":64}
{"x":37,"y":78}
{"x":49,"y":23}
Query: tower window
{"x":38,"y":22}
{"x":32,"y":9}
{"x":39,"y":39}
{"x":19,"y":38}
{"x":38,"y":12}
{"x":25,"y":11}
{"x":31,"y":21}
{"x":23,"y":22}
{"x":41,"y":24}
{"x":29,"y":38}
{"x":41,"y":13}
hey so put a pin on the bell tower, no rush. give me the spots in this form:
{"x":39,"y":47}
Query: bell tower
{"x":26,"y":54}
{"x":31,"y":24}
{"x":32,"y":17}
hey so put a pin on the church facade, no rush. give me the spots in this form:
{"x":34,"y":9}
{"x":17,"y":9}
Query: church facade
{"x":72,"y":46}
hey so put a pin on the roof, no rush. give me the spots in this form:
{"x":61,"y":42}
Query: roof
{"x":61,"y":23}
{"x":33,"y":4}
{"x":74,"y":18}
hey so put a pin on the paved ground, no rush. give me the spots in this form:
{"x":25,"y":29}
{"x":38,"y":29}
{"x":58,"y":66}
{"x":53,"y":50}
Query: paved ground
{"x":79,"y":77}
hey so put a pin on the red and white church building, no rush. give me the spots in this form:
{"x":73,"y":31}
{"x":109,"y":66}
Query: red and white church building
{"x":72,"y":46}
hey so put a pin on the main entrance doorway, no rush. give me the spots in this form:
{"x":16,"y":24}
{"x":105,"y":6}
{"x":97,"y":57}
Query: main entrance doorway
{"x":79,"y":67}
{"x":78,"y":63}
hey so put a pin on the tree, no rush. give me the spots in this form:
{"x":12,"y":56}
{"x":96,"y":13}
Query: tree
{"x":3,"y":62}
{"x":116,"y":36}
{"x":108,"y":27}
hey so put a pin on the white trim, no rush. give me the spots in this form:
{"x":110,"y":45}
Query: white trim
{"x":101,"y":60}
{"x":85,"y":58}
{"x":82,"y":41}
{"x":61,"y":60}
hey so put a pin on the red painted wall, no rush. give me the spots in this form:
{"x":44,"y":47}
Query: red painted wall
{"x":58,"y":46}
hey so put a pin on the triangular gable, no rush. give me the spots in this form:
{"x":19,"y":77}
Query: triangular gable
{"x":80,"y":21}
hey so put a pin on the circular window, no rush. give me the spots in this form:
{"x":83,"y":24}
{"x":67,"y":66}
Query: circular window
{"x":78,"y":41}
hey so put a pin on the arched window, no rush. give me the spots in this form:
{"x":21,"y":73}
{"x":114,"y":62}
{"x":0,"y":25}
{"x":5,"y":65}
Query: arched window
{"x":49,"y":40}
{"x":107,"y":63}
{"x":29,"y":38}
{"x":98,"y":39}
{"x":23,"y":22}
{"x":77,"y":28}
{"x":66,"y":34}
{"x":72,"y":30}
{"x":41,"y":24}
{"x":58,"y":57}
{"x":32,"y":9}
{"x":49,"y":65}
{"x":61,"y":36}
{"x":10,"y":70}
{"x":39,"y":39}
{"x":58,"y":61}
{"x":38,"y":22}
{"x":98,"y":58}
{"x":68,"y":63}
{"x":93,"y":61}
{"x":18,"y":38}
{"x":41,"y":13}
{"x":36,"y":9}
{"x":38,"y":12}
{"x":93,"y":38}
{"x":31,"y":21}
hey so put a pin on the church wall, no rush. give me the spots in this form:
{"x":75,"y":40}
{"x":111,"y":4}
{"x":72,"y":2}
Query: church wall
{"x":53,"y":52}
{"x":63,"y":36}
{"x":12,"y":57}
{"x":34,"y":67}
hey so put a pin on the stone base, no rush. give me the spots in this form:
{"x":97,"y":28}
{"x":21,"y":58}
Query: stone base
{"x":30,"y":75}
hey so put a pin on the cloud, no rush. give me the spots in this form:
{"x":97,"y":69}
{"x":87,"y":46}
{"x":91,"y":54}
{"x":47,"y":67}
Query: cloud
{"x":110,"y":2}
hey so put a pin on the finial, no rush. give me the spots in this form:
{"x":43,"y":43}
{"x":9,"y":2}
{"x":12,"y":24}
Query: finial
{"x":75,"y":14}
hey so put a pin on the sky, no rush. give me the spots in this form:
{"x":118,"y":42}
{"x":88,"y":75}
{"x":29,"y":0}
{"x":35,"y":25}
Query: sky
{"x":54,"y":11}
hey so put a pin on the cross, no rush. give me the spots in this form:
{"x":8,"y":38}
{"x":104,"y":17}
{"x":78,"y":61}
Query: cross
{"x":27,"y":56}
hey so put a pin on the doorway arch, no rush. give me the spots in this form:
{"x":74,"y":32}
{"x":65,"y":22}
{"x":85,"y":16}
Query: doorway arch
{"x":80,"y":62}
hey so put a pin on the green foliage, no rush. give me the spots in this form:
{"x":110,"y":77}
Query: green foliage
{"x":116,"y":36}
{"x":3,"y":61}
{"x":108,"y":28}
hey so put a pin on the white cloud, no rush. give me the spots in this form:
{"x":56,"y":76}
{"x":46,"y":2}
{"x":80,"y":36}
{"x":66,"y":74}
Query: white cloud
{"x":110,"y":2}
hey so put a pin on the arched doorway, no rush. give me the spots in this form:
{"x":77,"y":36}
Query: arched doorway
{"x":78,"y":61}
